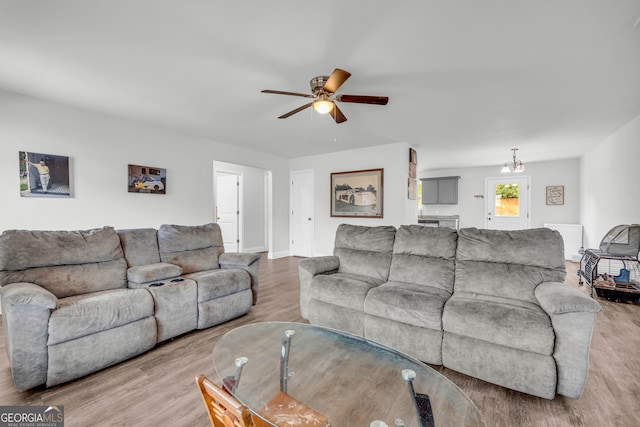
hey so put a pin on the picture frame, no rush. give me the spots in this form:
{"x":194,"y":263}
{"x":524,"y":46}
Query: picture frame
{"x":146,"y":179}
{"x":555,"y":195}
{"x":412,"y":189}
{"x":413,"y":163}
{"x":43,"y":175}
{"x":357,"y":194}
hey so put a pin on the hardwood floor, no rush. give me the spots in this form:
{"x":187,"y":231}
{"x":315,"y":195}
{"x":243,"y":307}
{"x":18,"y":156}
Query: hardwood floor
{"x":158,"y":387}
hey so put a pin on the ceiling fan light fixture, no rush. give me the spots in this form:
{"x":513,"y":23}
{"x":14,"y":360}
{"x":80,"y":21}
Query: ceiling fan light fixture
{"x":323,"y":104}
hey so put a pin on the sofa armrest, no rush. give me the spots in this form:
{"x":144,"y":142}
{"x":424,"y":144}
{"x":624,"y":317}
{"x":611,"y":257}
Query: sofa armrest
{"x":26,"y":308}
{"x":308,"y":268}
{"x":573,"y":316}
{"x":557,"y":298}
{"x":244,"y":261}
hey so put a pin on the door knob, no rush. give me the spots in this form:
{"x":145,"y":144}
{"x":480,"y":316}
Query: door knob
{"x":309,"y":219}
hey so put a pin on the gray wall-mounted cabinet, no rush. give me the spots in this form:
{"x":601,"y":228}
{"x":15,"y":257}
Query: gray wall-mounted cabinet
{"x":440,"y":191}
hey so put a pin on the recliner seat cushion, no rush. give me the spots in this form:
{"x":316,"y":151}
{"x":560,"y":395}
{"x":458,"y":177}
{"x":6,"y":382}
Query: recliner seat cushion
{"x":153,"y":272}
{"x":219,"y":283}
{"x":87,"y":314}
{"x":408,"y":303}
{"x":496,"y":321}
{"x":343,"y":289}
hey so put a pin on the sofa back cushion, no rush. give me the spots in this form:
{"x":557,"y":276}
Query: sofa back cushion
{"x":194,"y":248}
{"x":140,"y":246}
{"x":365,"y":251}
{"x":66,"y":263}
{"x":424,"y":256}
{"x":508,"y":264}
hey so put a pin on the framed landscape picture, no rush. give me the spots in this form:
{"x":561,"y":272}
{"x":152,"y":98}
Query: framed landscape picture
{"x":147,"y":179}
{"x":357,"y":193}
{"x":43,"y":175}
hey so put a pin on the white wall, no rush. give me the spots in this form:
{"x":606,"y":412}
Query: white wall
{"x":100,"y":147}
{"x":398,"y":210}
{"x":610,"y":182}
{"x":252,"y":206}
{"x":472,"y":182}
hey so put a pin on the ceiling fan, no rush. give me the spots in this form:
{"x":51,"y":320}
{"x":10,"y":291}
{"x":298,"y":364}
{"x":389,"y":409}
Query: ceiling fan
{"x":323,"y":89}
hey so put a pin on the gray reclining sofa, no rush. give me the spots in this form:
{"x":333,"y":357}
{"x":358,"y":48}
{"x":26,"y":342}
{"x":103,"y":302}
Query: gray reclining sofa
{"x":74,"y":302}
{"x":488,"y":303}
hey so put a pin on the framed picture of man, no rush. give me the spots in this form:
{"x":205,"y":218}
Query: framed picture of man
{"x":43,"y":175}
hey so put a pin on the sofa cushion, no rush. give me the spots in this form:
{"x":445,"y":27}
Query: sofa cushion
{"x":511,"y":324}
{"x":22,"y":249}
{"x":408,"y":303}
{"x":153,"y":272}
{"x":364,"y":251}
{"x":343,"y":289}
{"x":87,"y":314}
{"x":425,"y":256}
{"x":65,"y":263}
{"x":75,"y":279}
{"x":140,"y":246}
{"x":219,"y":283}
{"x":537,"y":247}
{"x":194,"y":248}
{"x":508,"y":264}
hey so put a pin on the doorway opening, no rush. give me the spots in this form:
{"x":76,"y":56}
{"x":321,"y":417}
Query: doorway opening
{"x":242,"y":207}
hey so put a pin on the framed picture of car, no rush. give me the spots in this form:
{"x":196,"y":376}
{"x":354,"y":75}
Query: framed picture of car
{"x":357,"y":193}
{"x":147,"y":179}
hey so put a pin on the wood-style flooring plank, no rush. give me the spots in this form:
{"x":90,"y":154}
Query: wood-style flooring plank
{"x":158,"y":388}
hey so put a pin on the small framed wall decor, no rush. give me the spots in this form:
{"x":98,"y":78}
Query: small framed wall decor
{"x":555,"y":195}
{"x":357,"y":193}
{"x":413,"y":162}
{"x":412,"y":189}
{"x":147,"y":179}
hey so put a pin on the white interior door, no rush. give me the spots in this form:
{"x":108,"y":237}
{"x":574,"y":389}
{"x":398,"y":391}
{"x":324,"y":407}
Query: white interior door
{"x":302,"y":206}
{"x":507,"y":203}
{"x":227,"y":211}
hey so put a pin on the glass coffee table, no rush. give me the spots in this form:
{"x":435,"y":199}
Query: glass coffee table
{"x":296,"y":374}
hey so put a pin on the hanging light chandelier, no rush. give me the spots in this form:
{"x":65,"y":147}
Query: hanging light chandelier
{"x":513,"y":166}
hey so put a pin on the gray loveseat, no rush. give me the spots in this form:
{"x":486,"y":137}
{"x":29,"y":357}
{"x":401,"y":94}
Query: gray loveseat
{"x":74,"y":302}
{"x":490,"y":304}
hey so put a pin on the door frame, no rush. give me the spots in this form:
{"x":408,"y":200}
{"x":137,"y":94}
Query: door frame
{"x":489,"y":200}
{"x":292,"y":175}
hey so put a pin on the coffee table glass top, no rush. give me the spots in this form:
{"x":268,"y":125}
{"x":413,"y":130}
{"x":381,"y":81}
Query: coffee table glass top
{"x":348,"y":380}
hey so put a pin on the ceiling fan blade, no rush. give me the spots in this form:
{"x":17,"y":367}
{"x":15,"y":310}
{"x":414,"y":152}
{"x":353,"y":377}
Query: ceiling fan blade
{"x":336,"y":79}
{"x":363,"y":99}
{"x":279,"y":92}
{"x":337,"y":114}
{"x":297,"y":110}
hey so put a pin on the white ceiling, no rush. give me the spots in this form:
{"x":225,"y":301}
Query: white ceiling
{"x":467,"y":79}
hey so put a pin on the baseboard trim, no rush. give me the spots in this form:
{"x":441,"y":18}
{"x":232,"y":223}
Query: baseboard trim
{"x":276,"y":255}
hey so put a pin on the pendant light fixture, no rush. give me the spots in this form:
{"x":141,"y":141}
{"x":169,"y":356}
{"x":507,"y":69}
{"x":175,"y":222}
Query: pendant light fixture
{"x":514,"y":166}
